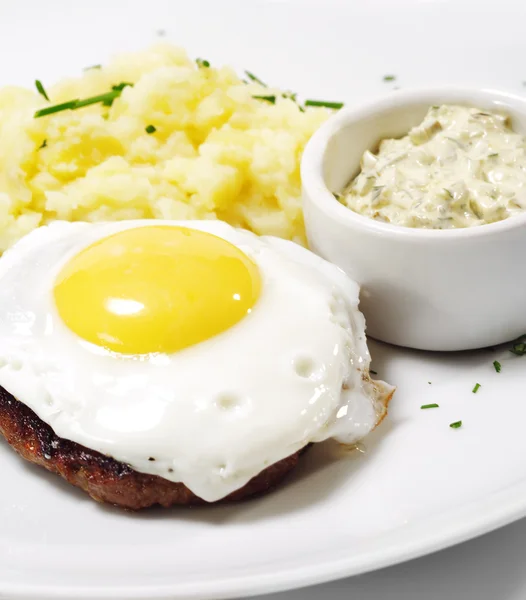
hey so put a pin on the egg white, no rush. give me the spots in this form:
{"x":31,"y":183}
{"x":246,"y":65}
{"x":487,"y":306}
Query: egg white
{"x":212,"y":416}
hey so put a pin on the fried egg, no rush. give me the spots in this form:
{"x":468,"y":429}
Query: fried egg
{"x":189,"y":350}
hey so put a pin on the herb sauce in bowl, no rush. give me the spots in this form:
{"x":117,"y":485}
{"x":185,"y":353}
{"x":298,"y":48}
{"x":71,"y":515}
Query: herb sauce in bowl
{"x":459,"y":168}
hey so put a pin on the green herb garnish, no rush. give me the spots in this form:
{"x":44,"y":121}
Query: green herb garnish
{"x":201,"y":62}
{"x":497,"y":365}
{"x":476,"y":388}
{"x":271,"y":99}
{"x":429,"y":382}
{"x":56,"y":108}
{"x":151,"y":129}
{"x":41,"y":90}
{"x":519,"y":347}
{"x":294,"y":97}
{"x":424,"y":406}
{"x":92,"y":67}
{"x":493,"y":155}
{"x":456,"y":424}
{"x":325,"y":104}
{"x":254,"y":78}
{"x":105,"y":99}
{"x":373,"y":372}
{"x":43,"y":144}
{"x":389,"y":77}
{"x":117,"y":89}
{"x":121,"y":86}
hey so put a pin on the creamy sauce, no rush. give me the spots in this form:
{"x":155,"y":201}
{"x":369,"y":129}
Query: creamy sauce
{"x":459,"y":168}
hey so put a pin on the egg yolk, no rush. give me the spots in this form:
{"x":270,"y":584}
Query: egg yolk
{"x":156,"y":289}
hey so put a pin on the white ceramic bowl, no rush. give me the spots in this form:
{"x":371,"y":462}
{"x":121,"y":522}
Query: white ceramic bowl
{"x":428,"y":289}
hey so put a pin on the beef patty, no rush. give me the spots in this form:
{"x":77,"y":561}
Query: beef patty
{"x":104,"y":478}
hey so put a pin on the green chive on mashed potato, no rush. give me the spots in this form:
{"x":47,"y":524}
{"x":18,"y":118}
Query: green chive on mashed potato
{"x":184,"y":141}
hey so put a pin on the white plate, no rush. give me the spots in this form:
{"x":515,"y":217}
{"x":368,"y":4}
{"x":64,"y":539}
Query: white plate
{"x":421,"y":485}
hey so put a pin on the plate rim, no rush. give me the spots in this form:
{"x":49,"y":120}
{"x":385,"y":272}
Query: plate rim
{"x":487,"y":515}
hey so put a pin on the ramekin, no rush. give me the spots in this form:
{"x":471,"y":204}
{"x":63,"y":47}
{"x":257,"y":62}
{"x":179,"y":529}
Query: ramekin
{"x":453,"y":289}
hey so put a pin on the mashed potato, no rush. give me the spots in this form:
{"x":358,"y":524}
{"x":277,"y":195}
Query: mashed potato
{"x":216,"y":152}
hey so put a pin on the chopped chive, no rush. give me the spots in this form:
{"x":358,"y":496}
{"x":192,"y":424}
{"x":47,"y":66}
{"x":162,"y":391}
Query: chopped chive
{"x":121,"y":86}
{"x":151,"y":129}
{"x":271,"y":99}
{"x":493,"y":155}
{"x":92,"y":67}
{"x":106,"y":100}
{"x":424,"y":406}
{"x":373,"y":372}
{"x":456,"y":424}
{"x":429,"y":382}
{"x":335,"y":105}
{"x":41,"y":90}
{"x":254,"y":78}
{"x":201,"y":62}
{"x":476,"y":388}
{"x":389,"y":77}
{"x":497,"y":365}
{"x":43,"y":144}
{"x":56,"y":108}
{"x":294,"y":97}
{"x":519,"y":347}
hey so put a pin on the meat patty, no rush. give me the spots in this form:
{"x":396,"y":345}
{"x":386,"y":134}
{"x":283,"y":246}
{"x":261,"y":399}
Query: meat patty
{"x":104,"y":478}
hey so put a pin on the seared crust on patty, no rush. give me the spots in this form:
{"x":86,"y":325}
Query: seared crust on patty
{"x":104,"y":478}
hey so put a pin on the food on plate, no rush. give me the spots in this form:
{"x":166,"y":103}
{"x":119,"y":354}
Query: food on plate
{"x":161,"y":362}
{"x":104,"y":478}
{"x":460,"y":167}
{"x":153,"y":135}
